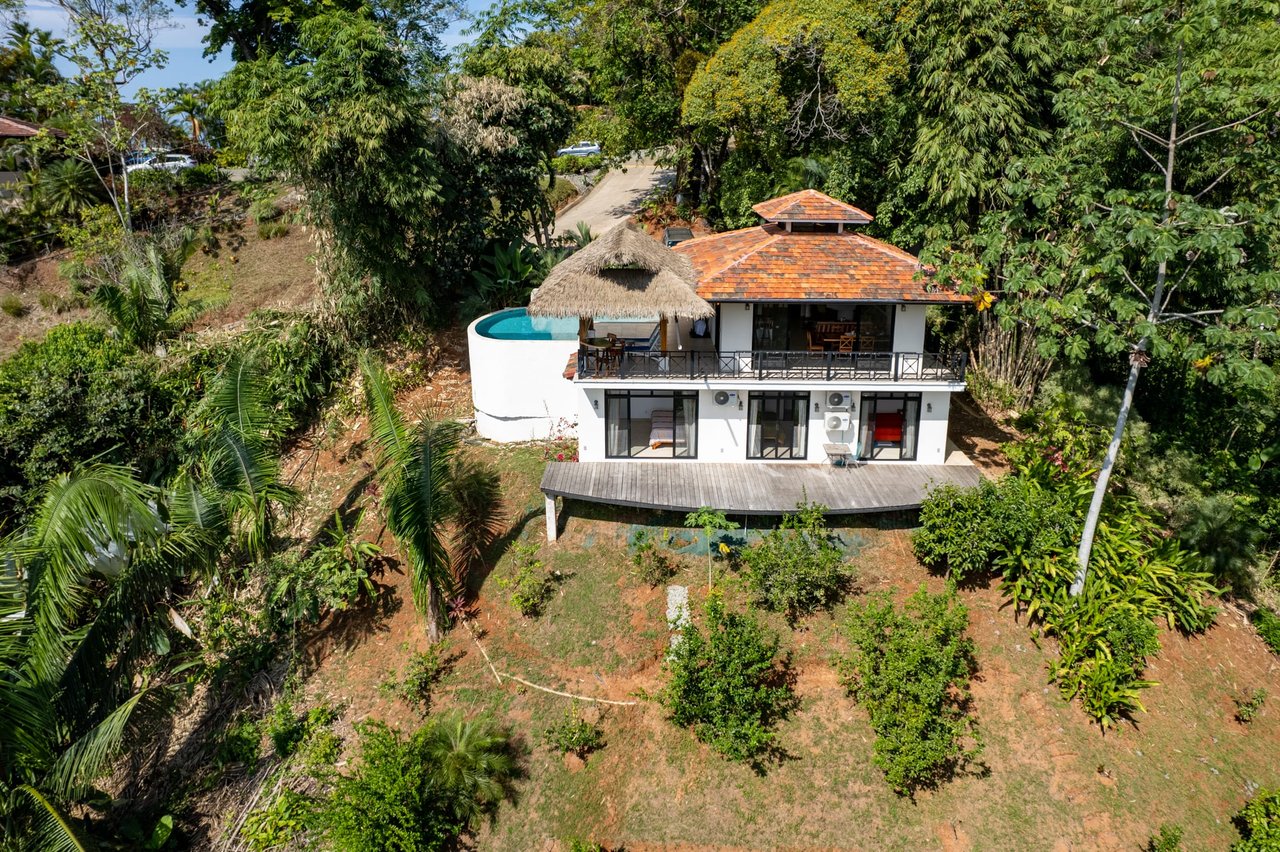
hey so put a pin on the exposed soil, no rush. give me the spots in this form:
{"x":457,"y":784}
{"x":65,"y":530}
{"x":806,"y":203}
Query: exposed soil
{"x":45,"y":297}
{"x":978,"y":435}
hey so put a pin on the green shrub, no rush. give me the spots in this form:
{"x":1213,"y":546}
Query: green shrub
{"x":653,"y":562}
{"x":798,"y":568}
{"x":241,"y":743}
{"x":532,"y":585}
{"x":1167,"y":839}
{"x":288,"y":730}
{"x":202,"y":176}
{"x":272,"y":230}
{"x":276,"y":824}
{"x":1267,"y":624}
{"x":418,"y":793}
{"x":574,"y":734}
{"x":331,"y":578}
{"x":1259,"y":824}
{"x":964,"y":531}
{"x":911,"y":669}
{"x":79,"y":394}
{"x":1104,"y":643}
{"x":1248,"y":706}
{"x":727,"y":682}
{"x":561,"y":193}
{"x":568,"y":165}
{"x":13,"y":305}
{"x":423,"y":671}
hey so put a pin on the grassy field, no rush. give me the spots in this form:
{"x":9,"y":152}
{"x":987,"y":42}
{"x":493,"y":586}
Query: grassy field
{"x":1048,"y":779}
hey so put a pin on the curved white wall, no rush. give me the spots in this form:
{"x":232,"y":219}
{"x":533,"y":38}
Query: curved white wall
{"x":518,"y":388}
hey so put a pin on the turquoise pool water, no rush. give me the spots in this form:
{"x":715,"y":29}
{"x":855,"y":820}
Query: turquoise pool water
{"x":516,"y":324}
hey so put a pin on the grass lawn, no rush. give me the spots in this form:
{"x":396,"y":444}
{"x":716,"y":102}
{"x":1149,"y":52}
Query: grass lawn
{"x":1048,"y":778}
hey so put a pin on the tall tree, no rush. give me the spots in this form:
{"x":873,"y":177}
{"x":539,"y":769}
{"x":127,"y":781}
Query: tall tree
{"x":1151,"y":229}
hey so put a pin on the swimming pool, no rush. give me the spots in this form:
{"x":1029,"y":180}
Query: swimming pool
{"x":516,"y":324}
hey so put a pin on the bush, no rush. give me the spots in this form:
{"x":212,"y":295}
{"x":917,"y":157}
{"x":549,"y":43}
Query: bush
{"x":797,"y":568}
{"x":272,"y":230}
{"x":964,"y":531}
{"x":1104,"y":643}
{"x":13,"y":305}
{"x":532,"y":585}
{"x":77,"y":395}
{"x":1248,"y":706}
{"x":574,"y":734}
{"x":1259,"y":824}
{"x":275,"y":825}
{"x":728,"y":683}
{"x":568,"y":165}
{"x":1267,"y":624}
{"x":331,"y":578}
{"x":911,"y":669}
{"x":1168,"y":839}
{"x":288,"y":730}
{"x":652,"y":561}
{"x":423,"y":671}
{"x":416,"y":794}
{"x":202,"y":176}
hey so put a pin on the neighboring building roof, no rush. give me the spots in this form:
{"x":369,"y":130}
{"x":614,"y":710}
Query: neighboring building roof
{"x":16,"y":128}
{"x":809,"y":205}
{"x":625,"y":274}
{"x":770,"y":263}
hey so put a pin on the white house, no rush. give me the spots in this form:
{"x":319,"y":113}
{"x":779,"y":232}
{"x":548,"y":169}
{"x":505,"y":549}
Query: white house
{"x":798,"y":342}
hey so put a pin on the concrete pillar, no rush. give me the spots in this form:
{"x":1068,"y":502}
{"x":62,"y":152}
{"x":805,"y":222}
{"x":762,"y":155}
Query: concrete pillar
{"x":551,"y":518}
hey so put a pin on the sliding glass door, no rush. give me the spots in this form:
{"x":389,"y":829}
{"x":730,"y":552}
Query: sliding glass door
{"x":889,"y":426}
{"x":777,"y":425}
{"x":651,"y":424}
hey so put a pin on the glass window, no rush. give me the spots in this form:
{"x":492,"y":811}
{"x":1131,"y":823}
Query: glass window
{"x":777,"y":425}
{"x":651,"y":424}
{"x":889,"y":426}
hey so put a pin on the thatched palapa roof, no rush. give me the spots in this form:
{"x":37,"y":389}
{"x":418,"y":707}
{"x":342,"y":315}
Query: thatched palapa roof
{"x":625,"y":274}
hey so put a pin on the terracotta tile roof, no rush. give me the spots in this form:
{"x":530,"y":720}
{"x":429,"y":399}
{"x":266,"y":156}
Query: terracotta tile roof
{"x":769,"y":263}
{"x":16,"y":128}
{"x":809,"y":205}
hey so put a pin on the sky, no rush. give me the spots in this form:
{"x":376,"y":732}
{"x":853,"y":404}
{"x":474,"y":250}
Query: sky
{"x":183,"y":41}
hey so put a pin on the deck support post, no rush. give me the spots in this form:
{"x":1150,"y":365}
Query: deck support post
{"x":662,"y":333}
{"x":551,"y":518}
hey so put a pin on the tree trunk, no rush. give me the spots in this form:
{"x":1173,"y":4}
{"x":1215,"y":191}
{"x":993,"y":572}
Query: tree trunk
{"x":435,"y":612}
{"x":1104,"y":476}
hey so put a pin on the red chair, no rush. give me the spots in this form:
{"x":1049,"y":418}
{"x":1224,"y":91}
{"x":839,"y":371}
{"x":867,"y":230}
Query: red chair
{"x":888,"y":428}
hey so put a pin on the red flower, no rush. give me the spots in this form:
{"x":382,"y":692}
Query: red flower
{"x":559,"y":456}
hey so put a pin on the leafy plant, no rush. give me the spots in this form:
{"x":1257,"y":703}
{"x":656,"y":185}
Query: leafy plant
{"x":1259,"y":823}
{"x":531,"y":585}
{"x":709,"y":520}
{"x":727,"y":681}
{"x":652,"y":561}
{"x":278,"y":823}
{"x":289,"y":730}
{"x":1267,"y":624}
{"x":572,"y":734}
{"x":332,"y":578}
{"x":797,"y":568}
{"x":418,"y":793}
{"x":1167,"y":839}
{"x":1248,"y":706}
{"x":420,"y":676}
{"x":911,"y":669}
{"x":13,"y":305}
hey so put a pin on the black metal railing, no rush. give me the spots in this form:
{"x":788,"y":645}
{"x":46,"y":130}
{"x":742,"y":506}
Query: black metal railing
{"x":596,"y":363}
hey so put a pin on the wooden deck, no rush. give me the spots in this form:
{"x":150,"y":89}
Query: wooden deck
{"x":753,"y":488}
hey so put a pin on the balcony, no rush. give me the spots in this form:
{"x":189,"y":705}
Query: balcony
{"x":688,"y":365}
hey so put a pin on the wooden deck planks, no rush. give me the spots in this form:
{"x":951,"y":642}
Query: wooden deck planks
{"x":752,"y":489}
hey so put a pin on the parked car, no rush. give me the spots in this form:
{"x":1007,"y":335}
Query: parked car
{"x":581,"y":149}
{"x":164,"y":162}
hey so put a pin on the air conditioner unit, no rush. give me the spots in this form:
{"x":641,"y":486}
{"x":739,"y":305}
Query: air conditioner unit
{"x":837,"y":421}
{"x":726,"y":397}
{"x":839,"y":400}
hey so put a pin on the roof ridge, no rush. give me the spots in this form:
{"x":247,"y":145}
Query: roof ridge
{"x":887,"y":248}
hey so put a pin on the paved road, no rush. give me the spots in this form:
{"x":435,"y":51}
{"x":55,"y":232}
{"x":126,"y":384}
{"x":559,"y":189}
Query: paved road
{"x":615,"y":198}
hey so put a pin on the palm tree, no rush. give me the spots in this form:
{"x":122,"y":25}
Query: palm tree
{"x":142,"y":301}
{"x":472,"y":759}
{"x":187,"y":104}
{"x":81,"y":611}
{"x":238,"y":462}
{"x":425,"y":485}
{"x":64,"y":187}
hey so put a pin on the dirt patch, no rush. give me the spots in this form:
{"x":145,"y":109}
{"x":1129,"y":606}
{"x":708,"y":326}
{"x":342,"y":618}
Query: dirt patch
{"x":46,"y":300}
{"x":979,"y":435}
{"x":249,"y":273}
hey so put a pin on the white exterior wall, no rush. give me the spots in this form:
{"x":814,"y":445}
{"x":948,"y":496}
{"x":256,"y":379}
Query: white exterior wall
{"x":736,"y":326}
{"x":722,"y":429}
{"x":908,"y":328}
{"x":518,"y":387}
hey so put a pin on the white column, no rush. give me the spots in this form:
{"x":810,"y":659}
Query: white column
{"x":551,"y":518}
